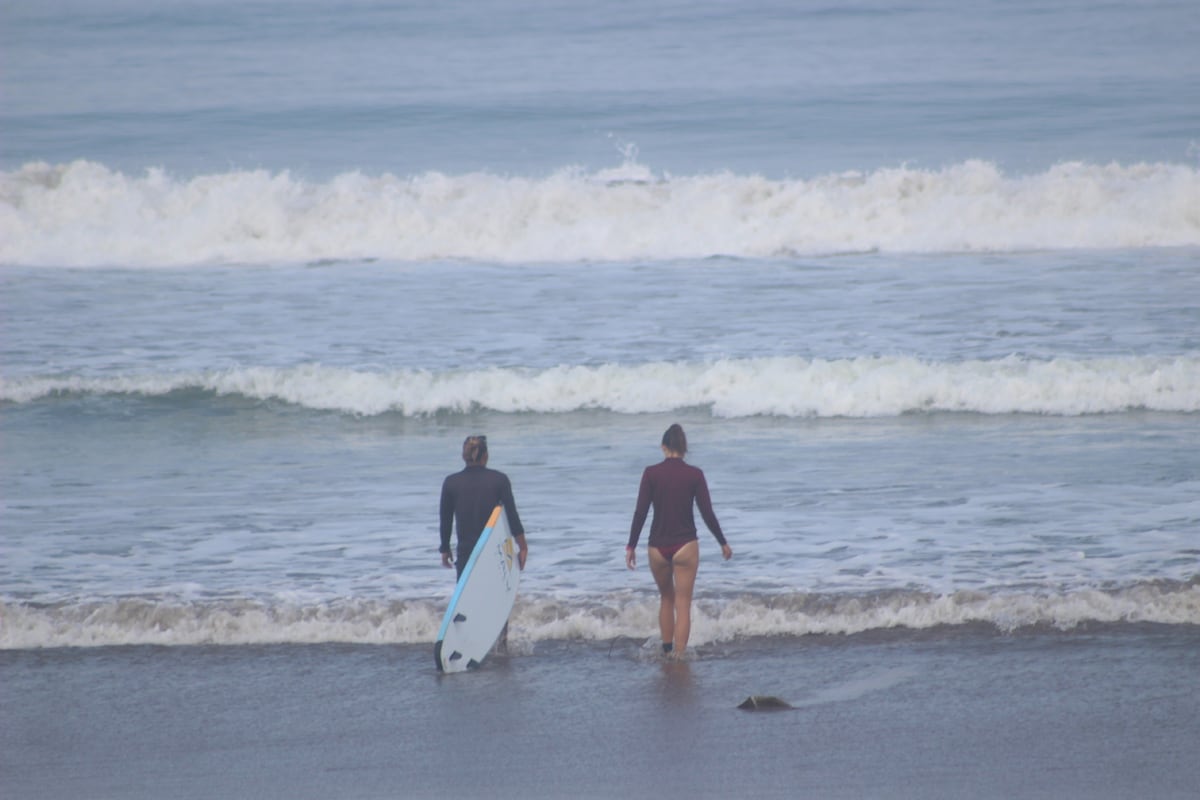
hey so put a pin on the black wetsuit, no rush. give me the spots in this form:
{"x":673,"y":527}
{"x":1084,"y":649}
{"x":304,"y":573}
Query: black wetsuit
{"x":468,"y":499}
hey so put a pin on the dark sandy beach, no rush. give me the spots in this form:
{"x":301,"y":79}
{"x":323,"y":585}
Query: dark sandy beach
{"x":1107,"y":713}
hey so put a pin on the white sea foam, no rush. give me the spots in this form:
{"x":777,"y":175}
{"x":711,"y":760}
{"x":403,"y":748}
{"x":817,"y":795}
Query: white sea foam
{"x":783,"y":386}
{"x":84,"y":213}
{"x":238,"y":622}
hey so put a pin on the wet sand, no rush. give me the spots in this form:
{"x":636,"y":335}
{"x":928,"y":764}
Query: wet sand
{"x":1110,"y":713}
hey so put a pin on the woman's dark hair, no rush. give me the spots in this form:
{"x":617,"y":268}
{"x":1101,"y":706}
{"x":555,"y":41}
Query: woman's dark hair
{"x":675,"y":439}
{"x":475,"y":449}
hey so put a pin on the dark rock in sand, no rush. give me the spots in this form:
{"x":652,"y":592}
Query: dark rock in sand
{"x":762,"y":702}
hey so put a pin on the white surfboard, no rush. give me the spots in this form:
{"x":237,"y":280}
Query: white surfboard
{"x":482,"y":599}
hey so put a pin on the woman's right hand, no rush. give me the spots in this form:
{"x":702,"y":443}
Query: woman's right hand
{"x":631,"y":557}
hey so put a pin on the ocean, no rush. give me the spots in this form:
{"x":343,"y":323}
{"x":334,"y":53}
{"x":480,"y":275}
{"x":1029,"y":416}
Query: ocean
{"x":921,"y":282}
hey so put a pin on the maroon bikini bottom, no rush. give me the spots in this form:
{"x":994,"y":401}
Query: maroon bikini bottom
{"x":668,"y":551}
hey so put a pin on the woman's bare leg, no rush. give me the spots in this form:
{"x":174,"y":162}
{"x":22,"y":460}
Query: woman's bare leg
{"x":664,"y":576}
{"x":685,"y":564}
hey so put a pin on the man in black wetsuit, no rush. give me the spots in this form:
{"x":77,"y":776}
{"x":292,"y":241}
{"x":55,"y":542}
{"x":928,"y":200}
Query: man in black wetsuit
{"x":468,"y":498}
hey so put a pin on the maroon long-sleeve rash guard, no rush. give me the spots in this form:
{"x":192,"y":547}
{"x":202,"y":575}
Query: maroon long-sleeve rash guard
{"x":672,"y":488}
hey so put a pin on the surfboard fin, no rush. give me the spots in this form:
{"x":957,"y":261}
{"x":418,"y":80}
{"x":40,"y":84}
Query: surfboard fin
{"x":455,"y":656}
{"x":460,"y":617}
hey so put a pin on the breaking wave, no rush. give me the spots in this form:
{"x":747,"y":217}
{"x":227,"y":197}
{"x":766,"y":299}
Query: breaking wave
{"x":141,"y":621}
{"x":86,"y":214}
{"x":781,"y":386}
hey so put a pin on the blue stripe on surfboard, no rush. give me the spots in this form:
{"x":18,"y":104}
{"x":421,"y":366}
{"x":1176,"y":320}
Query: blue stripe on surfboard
{"x":462,"y":581}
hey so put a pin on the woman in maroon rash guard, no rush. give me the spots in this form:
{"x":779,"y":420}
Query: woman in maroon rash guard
{"x":672,"y":487}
